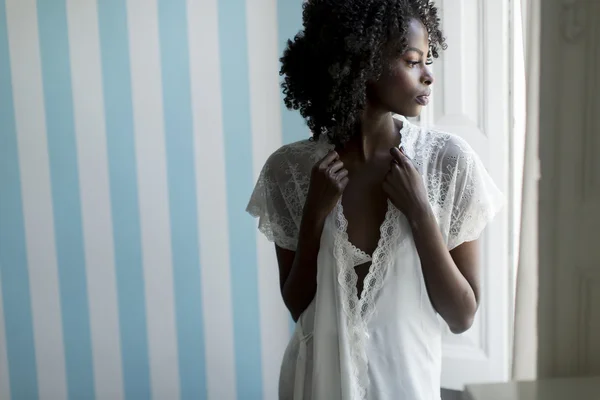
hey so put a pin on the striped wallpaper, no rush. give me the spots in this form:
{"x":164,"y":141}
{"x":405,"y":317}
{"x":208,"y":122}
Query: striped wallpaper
{"x":131,"y":135}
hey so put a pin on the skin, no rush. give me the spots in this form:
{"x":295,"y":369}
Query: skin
{"x":368,"y":170}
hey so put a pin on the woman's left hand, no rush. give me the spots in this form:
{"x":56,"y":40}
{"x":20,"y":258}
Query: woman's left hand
{"x":404,"y":186}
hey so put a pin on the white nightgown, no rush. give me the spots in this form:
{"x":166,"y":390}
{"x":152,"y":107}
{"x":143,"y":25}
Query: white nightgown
{"x":387,"y":345}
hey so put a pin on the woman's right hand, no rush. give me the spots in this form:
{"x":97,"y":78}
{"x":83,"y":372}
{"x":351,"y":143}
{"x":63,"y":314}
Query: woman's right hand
{"x":327,"y":183}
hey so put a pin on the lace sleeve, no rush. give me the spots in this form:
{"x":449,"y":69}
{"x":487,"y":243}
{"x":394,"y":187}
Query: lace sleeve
{"x":269,"y":203}
{"x":476,"y":200}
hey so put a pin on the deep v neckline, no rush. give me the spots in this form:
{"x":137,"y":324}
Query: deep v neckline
{"x":344,"y":224}
{"x":344,"y":221}
{"x":348,"y":256}
{"x":354,"y":256}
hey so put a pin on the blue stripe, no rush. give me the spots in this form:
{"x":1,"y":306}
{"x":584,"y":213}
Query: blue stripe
{"x":114,"y":39}
{"x":289,"y":22}
{"x":62,"y":151}
{"x":182,"y":197}
{"x":238,"y":170}
{"x":14,"y":276}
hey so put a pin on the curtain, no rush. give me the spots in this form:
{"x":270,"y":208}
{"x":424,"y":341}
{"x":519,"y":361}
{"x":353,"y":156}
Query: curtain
{"x":524,"y":365}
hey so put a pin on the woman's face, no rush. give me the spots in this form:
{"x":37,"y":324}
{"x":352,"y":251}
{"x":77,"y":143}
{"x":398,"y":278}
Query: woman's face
{"x":403,"y":87}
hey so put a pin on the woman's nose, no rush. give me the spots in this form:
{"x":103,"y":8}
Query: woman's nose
{"x":427,"y":77}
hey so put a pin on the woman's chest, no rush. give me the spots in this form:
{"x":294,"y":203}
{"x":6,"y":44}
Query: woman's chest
{"x":364,"y":206}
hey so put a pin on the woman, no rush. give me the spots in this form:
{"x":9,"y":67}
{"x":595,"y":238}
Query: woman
{"x":375,"y":220}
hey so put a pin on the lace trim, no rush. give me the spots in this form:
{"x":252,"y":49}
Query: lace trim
{"x":274,"y":228}
{"x":358,"y":256}
{"x":358,"y":311}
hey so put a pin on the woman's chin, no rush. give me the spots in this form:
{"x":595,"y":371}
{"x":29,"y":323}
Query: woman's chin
{"x":412,"y":112}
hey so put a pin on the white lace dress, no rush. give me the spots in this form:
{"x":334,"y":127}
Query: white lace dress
{"x":387,"y":345}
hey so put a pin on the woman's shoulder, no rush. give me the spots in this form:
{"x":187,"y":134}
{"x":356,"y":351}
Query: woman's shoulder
{"x":300,"y":156}
{"x":441,"y":149}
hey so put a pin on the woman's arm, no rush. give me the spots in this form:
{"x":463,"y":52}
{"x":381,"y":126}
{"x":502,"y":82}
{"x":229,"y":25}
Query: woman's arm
{"x":451,"y":277}
{"x":298,"y":269}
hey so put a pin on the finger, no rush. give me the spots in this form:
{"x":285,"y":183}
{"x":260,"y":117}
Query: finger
{"x":335,"y":167}
{"x":397,"y":155}
{"x":388,"y":175}
{"x":395,"y":169}
{"x":341,"y":174}
{"x":344,"y":182}
{"x":406,"y":157}
{"x":329,"y":158}
{"x":401,"y":159}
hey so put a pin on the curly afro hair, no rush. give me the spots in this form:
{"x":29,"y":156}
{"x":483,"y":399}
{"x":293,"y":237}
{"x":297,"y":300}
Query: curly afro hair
{"x":342,"y":47}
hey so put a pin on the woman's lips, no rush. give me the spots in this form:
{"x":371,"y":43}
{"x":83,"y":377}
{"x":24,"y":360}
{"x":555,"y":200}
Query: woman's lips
{"x":423,"y":100}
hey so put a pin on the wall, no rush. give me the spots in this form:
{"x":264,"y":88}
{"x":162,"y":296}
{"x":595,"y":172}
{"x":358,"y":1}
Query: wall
{"x":131,"y":134}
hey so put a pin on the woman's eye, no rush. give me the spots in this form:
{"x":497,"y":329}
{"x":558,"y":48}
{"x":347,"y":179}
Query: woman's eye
{"x":413,"y":63}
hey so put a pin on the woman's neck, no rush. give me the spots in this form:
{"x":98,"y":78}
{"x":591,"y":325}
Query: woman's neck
{"x":378,"y":133}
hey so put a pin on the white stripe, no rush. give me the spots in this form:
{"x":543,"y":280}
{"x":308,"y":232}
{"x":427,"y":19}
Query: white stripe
{"x":90,"y":129}
{"x":266,"y":138}
{"x":4,"y":377}
{"x":37,"y":200}
{"x":142,"y":17}
{"x":212,"y":201}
